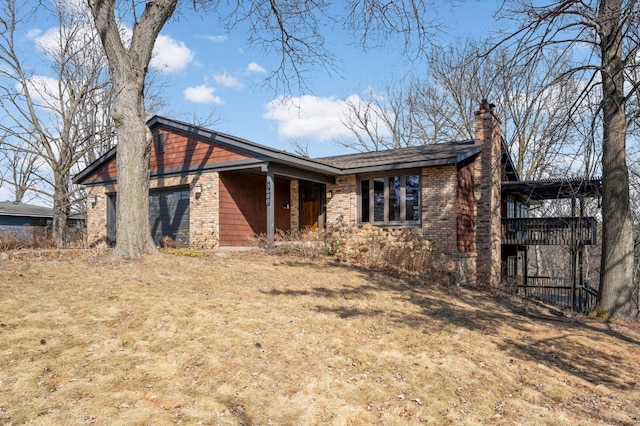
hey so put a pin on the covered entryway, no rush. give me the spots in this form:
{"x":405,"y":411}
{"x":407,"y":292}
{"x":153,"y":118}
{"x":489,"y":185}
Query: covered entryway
{"x":243,"y":208}
{"x":169,"y":215}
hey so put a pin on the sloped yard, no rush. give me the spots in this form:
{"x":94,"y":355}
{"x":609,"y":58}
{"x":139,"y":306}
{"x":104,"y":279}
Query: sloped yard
{"x":256,"y":339}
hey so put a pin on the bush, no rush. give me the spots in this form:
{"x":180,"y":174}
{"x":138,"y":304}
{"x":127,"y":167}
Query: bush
{"x":25,"y":237}
{"x":184,"y":251}
{"x":406,"y":252}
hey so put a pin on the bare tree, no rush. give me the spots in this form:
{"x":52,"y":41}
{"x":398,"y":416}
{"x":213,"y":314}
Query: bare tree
{"x":602,"y":35}
{"x":530,"y":99}
{"x":51,"y":115}
{"x":21,"y":172}
{"x":291,"y":29}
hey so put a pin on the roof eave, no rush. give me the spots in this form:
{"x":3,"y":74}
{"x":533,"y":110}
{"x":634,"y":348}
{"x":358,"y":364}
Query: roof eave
{"x":95,"y":166}
{"x":445,"y":161}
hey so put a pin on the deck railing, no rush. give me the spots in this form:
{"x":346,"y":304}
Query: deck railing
{"x":549,"y":231}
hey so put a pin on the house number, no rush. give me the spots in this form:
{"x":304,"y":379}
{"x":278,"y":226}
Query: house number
{"x":268,"y":193}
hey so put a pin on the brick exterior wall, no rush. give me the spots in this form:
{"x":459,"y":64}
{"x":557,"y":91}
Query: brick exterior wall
{"x":488,"y":175}
{"x":96,"y":215}
{"x":204,"y":212}
{"x":439,"y":206}
{"x":295,"y":205}
{"x":343,"y":205}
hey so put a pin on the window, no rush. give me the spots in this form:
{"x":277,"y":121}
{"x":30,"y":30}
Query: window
{"x":161,"y":141}
{"x":516,"y":209}
{"x":390,"y":200}
{"x":511,"y":207}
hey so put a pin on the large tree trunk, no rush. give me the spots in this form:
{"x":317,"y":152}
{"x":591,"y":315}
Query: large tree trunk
{"x":128,"y":67}
{"x":133,"y":237}
{"x":60,"y":210}
{"x":616,"y":272}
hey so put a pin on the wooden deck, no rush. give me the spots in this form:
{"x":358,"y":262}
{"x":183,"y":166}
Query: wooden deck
{"x":571,"y":231}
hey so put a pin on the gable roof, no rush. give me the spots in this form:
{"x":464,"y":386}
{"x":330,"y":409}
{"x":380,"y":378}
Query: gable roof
{"x":13,"y":208}
{"x":288,"y":164}
{"x":260,"y":151}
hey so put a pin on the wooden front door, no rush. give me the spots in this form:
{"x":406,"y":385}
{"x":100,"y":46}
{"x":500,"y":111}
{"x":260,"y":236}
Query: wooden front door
{"x":311,"y":205}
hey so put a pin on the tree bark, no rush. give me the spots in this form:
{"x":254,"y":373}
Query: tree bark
{"x":133,"y":237}
{"x":61,"y":207}
{"x":616,"y":273}
{"x":128,"y":67}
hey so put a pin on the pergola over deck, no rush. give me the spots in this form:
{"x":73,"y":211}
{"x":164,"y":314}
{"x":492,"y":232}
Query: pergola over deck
{"x":553,"y":189}
{"x":574,"y":231}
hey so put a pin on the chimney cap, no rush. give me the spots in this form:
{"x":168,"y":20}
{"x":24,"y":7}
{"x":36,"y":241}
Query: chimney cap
{"x":484,"y":104}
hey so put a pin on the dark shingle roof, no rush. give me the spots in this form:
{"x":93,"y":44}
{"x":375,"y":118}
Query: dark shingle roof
{"x":552,"y":189}
{"x":416,"y":156}
{"x":11,"y":208}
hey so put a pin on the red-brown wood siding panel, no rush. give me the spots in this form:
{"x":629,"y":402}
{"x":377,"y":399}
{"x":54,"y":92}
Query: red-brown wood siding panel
{"x":182,"y":151}
{"x":108,"y":171}
{"x":243,"y":211}
{"x":465,"y":202}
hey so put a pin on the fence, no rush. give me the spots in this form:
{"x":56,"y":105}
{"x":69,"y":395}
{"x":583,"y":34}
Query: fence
{"x":559,"y":291}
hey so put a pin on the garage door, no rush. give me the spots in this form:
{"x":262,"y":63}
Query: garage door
{"x":169,"y":215}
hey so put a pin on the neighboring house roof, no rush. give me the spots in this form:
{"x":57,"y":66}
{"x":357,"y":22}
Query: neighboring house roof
{"x":12,"y":208}
{"x":404,"y":158}
{"x":285,"y":163}
{"x":16,"y":209}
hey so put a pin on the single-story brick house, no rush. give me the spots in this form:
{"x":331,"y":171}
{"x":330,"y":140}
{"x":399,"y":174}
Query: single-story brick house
{"x":211,"y":189}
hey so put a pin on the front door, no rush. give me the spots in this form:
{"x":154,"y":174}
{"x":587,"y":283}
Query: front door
{"x":311,"y":205}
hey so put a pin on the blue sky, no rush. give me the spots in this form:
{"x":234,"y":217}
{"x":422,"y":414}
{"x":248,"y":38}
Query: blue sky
{"x":204,"y":68}
{"x":215,"y":70}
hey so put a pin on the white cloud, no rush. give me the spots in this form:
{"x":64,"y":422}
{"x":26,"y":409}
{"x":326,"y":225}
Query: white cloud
{"x":228,"y":80}
{"x":215,"y":38}
{"x":80,"y":37}
{"x":5,"y":193}
{"x":33,"y":33}
{"x":170,"y":56}
{"x":254,"y":67}
{"x":311,"y":116}
{"x":43,"y":89}
{"x":202,"y":94}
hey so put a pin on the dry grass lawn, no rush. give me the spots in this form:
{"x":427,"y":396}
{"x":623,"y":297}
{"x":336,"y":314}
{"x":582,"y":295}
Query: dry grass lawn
{"x":255,"y":339}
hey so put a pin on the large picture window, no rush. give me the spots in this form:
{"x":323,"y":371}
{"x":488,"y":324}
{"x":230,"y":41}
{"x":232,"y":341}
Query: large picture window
{"x":390,"y":200}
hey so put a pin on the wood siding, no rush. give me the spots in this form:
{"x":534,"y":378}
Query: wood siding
{"x":243,"y":211}
{"x":106,"y":172}
{"x":465,"y":205}
{"x":181,"y":152}
{"x":187,"y":152}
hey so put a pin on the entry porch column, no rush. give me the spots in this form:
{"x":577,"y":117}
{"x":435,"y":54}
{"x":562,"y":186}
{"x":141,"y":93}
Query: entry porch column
{"x":270,"y":201}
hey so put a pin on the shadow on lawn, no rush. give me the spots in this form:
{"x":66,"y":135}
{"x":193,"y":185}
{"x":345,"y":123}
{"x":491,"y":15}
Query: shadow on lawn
{"x":574,"y":351}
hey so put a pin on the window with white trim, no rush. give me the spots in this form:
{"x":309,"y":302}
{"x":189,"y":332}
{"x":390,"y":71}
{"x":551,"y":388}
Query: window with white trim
{"x":389,"y":200}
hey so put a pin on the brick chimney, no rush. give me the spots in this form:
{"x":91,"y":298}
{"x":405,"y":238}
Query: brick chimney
{"x":488,"y":178}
